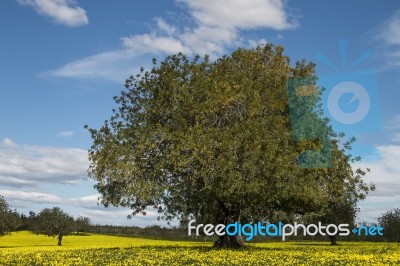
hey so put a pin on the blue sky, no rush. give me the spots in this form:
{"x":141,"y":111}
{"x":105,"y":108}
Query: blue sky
{"x":62,"y":61}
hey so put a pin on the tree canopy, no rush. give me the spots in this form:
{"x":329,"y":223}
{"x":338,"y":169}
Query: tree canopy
{"x":390,"y":221}
{"x":220,"y":141}
{"x":82,"y":224}
{"x":9,"y":219}
{"x":53,"y":222}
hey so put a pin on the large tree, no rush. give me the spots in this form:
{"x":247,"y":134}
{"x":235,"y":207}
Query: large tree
{"x":52,"y":222}
{"x":216,"y":141}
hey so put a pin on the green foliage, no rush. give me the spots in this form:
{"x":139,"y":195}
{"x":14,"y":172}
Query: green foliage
{"x":390,"y":221}
{"x":213,"y":141}
{"x":9,"y":219}
{"x":345,"y":188}
{"x":82,"y":224}
{"x":4,"y":209}
{"x":53,"y":222}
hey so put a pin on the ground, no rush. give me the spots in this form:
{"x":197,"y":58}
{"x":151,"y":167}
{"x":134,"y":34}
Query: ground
{"x":24,"y":248}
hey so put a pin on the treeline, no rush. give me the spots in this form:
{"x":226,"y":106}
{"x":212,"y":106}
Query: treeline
{"x":152,"y":232}
{"x":56,"y":222}
{"x":50,"y":221}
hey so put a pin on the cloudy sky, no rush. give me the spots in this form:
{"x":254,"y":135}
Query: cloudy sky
{"x":62,"y":61}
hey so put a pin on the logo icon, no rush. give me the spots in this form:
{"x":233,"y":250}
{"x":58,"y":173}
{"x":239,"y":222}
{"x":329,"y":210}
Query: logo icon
{"x":359,"y":94}
{"x":350,"y":101}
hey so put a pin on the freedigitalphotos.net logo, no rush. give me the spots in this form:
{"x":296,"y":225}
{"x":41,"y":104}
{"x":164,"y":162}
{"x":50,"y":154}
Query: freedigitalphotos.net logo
{"x":350,"y":101}
{"x":280,"y":230}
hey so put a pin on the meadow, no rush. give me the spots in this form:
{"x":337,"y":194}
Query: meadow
{"x":24,"y":248}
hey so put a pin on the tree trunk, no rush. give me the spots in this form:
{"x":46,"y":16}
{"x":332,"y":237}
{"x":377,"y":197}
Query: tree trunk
{"x":60,"y":236}
{"x":231,"y":215}
{"x":229,"y":242}
{"x":333,"y":240}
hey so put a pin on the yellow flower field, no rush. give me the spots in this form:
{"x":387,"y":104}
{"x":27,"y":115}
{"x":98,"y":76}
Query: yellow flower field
{"x":23,"y":248}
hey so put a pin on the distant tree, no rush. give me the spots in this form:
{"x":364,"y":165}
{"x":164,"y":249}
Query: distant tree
{"x":29,"y":221}
{"x":9,"y":219}
{"x":53,"y":222}
{"x":215,"y":141}
{"x":82,"y":224}
{"x":390,"y":221}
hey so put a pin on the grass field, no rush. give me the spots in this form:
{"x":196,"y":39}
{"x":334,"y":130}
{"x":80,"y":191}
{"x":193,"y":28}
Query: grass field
{"x":23,"y":248}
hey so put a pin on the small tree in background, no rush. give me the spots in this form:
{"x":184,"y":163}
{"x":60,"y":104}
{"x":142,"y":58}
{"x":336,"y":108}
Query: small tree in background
{"x":53,"y":222}
{"x":9,"y":220}
{"x":390,"y":221}
{"x":82,"y":224}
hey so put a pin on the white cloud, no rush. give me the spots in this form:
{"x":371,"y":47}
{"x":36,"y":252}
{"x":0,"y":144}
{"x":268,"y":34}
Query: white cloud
{"x":390,"y":155}
{"x":89,"y":202}
{"x":394,"y":123}
{"x":89,"y":206}
{"x":115,"y":66}
{"x":165,"y":27}
{"x":65,"y":12}
{"x":213,"y":27}
{"x":150,"y":43}
{"x":238,"y":14}
{"x":16,"y":182}
{"x":389,"y":35}
{"x":255,"y":43}
{"x":385,"y":174}
{"x":396,"y":137}
{"x":9,"y":143}
{"x":210,"y":40}
{"x":385,"y":171}
{"x":391,"y":30}
{"x":119,"y":216}
{"x":370,"y":213}
{"x":392,"y":128}
{"x":26,"y":165}
{"x":66,"y":134}
{"x":24,"y":197}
